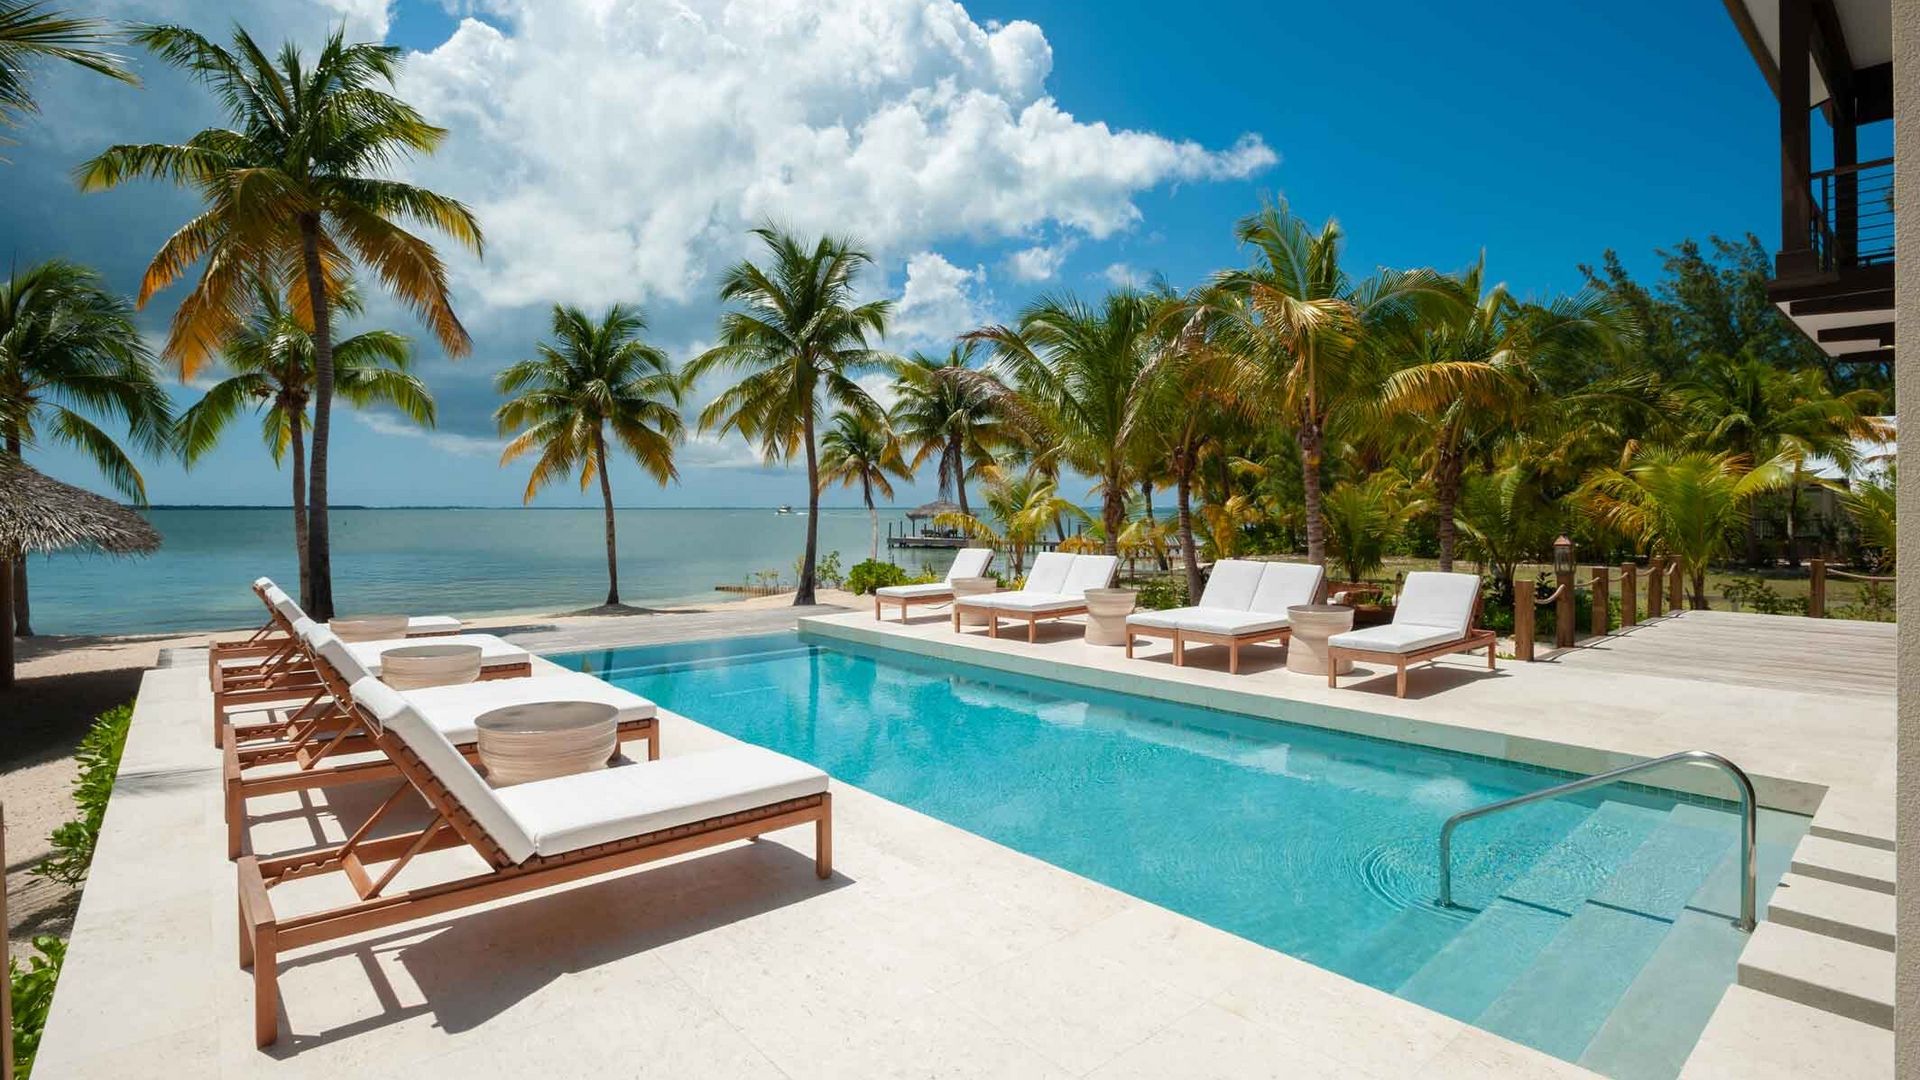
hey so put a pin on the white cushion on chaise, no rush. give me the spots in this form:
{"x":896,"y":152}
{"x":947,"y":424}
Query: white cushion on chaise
{"x":968,"y":562}
{"x":914,"y":592}
{"x":1242,"y":597}
{"x":566,"y":813}
{"x":1434,"y":608}
{"x":1058,"y":581}
{"x":453,"y":709}
{"x":1229,"y":588}
{"x":417,"y":625}
{"x":494,"y":651}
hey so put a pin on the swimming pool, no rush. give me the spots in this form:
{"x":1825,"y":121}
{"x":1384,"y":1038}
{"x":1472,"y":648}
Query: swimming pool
{"x":1595,"y":928}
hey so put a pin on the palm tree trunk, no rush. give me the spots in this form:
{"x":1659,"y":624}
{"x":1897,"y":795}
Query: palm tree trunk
{"x":17,"y":571}
{"x":1793,"y":519}
{"x":319,"y":602}
{"x":1183,"y":495}
{"x":606,"y":500}
{"x":1160,"y":553}
{"x":1699,"y":575}
{"x":873,"y":518}
{"x":1309,"y":439}
{"x":958,"y":451}
{"x":1446,"y":492}
{"x":1113,"y":512}
{"x":299,"y":447}
{"x":803,"y":594}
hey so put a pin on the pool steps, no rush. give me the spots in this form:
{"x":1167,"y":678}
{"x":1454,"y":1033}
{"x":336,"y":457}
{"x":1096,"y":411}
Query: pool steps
{"x":1847,"y":864}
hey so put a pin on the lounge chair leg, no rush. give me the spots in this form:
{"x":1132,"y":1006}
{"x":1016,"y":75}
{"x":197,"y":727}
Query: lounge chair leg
{"x":653,"y":742}
{"x":1489,"y":657}
{"x":876,"y":607}
{"x":1129,"y":646}
{"x":1033,"y":629}
{"x":1333,"y":672}
{"x":1233,"y":658}
{"x":266,"y":987}
{"x":823,"y":840}
{"x":956,"y":618}
{"x":1179,"y":650}
{"x":1400,"y":680}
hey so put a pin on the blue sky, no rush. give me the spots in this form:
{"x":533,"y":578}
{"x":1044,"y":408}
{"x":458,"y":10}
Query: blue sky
{"x":985,"y":154}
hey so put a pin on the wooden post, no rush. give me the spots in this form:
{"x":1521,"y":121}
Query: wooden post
{"x":1817,"y":589}
{"x":1629,"y":602}
{"x":1523,"y":620}
{"x":6,"y":633}
{"x":1601,"y":594}
{"x":1563,"y":617}
{"x":1656,"y":589}
{"x":1794,"y":41}
{"x":1675,"y":582}
{"x":6,"y":964}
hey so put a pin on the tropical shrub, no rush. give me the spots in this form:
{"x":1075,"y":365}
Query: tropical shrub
{"x":829,"y":571}
{"x":99,"y":760}
{"x":873,"y":574}
{"x":1874,"y":604}
{"x":1688,"y":504}
{"x":1872,"y":506}
{"x":32,"y":987}
{"x":1761,"y":597}
{"x":1160,"y":593}
{"x":1364,"y":518}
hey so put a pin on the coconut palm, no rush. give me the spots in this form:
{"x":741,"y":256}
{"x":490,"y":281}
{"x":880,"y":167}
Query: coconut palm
{"x":69,"y":353}
{"x":271,"y":364}
{"x":1022,"y":509}
{"x":1365,"y":517}
{"x":1085,"y":366}
{"x":1298,"y":318}
{"x":1686,"y":504}
{"x":797,"y":339}
{"x":949,"y":410}
{"x":591,"y":378}
{"x":1463,"y":373}
{"x":1873,"y":505}
{"x":34,"y":31}
{"x":860,"y":450}
{"x":294,"y":188}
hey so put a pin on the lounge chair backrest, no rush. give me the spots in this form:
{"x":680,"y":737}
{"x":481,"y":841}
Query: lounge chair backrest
{"x":285,"y":605}
{"x":970,"y":562}
{"x":1089,"y":572}
{"x":1049,"y":573}
{"x":327,"y":645}
{"x":264,"y":583}
{"x":1231,"y":585}
{"x":391,"y":711}
{"x":1430,"y":598}
{"x":1285,"y":584}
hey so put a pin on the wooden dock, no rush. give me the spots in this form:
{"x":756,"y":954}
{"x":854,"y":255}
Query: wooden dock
{"x":1779,"y":652}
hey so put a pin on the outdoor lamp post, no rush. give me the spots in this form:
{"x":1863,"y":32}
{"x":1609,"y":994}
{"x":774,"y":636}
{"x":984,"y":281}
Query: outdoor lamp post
{"x":1563,"y":607}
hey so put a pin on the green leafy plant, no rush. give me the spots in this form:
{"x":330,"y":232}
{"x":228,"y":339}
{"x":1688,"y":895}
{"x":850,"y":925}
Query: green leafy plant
{"x":873,"y":574}
{"x":33,"y":997}
{"x":829,"y":571}
{"x":1757,"y":594}
{"x":99,"y":760}
{"x":1874,"y":604}
{"x":1159,"y":594}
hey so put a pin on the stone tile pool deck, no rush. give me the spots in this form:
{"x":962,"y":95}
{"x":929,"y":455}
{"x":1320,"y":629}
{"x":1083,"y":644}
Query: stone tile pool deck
{"x":932,"y":952}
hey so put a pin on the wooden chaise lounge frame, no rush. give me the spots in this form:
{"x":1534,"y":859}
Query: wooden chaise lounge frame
{"x":1474,"y":639}
{"x":1180,"y":638}
{"x":330,"y":726}
{"x":263,"y":935}
{"x":1033,"y":618}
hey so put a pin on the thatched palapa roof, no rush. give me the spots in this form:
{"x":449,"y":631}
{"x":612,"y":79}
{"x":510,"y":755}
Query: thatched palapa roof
{"x":933,"y":509}
{"x":41,"y":514}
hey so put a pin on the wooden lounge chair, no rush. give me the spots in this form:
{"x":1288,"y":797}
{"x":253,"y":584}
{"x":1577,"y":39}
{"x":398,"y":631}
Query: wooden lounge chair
{"x":282,"y":612}
{"x":1434,"y":617}
{"x":1056,"y":588}
{"x":968,"y":562}
{"x":1245,"y":602}
{"x":331,"y":745}
{"x":531,"y":836}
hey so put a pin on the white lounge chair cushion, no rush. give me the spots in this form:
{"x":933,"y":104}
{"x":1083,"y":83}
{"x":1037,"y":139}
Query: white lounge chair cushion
{"x":914,"y":592}
{"x":392,"y":711}
{"x":970,"y":562}
{"x":1049,"y":573}
{"x":1284,"y":585}
{"x":494,"y":652}
{"x":453,"y":709}
{"x":328,"y":646}
{"x":432,"y":624}
{"x":1232,"y":623}
{"x":264,"y":583}
{"x":1087,"y":572}
{"x":1430,"y":598}
{"x":1024,"y":600}
{"x":567,"y":813}
{"x":284,"y":604}
{"x":1398,"y":637}
{"x":1230,"y":587}
{"x":1168,"y":619}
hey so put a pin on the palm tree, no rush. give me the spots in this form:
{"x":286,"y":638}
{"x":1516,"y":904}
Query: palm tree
{"x":33,"y":31}
{"x":293,"y":189}
{"x":1364,"y":518}
{"x":860,"y":449}
{"x":1024,"y":507}
{"x":1872,"y":503}
{"x":1300,"y":320}
{"x":797,"y":338}
{"x":271,"y":360}
{"x":69,"y":350}
{"x":1464,"y":373}
{"x":949,"y":410}
{"x":1687,"y":504}
{"x":1086,"y":369}
{"x":592,"y":377}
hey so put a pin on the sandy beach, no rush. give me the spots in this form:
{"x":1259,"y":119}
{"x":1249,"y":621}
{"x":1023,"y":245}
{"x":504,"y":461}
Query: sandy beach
{"x":65,"y":681}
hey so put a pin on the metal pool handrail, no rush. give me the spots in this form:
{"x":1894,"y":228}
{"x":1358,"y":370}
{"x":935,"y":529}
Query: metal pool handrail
{"x":1748,"y":819}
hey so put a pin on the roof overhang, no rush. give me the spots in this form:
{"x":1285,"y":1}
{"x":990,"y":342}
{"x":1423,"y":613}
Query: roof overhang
{"x":1864,"y":33}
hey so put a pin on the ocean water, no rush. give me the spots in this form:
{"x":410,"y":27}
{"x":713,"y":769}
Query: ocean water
{"x":434,"y":561}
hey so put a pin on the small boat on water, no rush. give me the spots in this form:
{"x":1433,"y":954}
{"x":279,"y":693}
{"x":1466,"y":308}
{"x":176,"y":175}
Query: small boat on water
{"x":784,"y":510}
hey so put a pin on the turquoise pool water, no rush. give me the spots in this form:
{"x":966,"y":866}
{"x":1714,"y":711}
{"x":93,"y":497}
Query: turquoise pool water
{"x":1596,"y":928}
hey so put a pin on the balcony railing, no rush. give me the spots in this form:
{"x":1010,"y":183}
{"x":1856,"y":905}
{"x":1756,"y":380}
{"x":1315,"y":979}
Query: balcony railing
{"x":1853,"y":215}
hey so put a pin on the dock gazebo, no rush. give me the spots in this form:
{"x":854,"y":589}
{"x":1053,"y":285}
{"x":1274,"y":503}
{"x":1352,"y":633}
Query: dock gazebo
{"x":921,"y":532}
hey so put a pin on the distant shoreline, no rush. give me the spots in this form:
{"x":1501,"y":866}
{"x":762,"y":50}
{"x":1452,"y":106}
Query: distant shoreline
{"x":456,"y":506}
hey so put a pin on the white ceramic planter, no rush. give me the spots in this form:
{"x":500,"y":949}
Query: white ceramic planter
{"x":1107,"y":611}
{"x":369,"y":627}
{"x":972,"y":586}
{"x":522,"y":743}
{"x":412,"y":667}
{"x":1312,"y":625}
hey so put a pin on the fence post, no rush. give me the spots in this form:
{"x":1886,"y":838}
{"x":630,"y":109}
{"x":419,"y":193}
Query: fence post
{"x":1674,"y":594}
{"x":1629,"y":602}
{"x":1601,"y":594}
{"x":1564,"y":630}
{"x":1817,"y":590}
{"x":1523,"y":620}
{"x":1656,"y":589}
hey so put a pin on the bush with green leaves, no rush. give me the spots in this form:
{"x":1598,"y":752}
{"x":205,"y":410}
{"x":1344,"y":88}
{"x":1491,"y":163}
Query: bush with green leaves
{"x":1752,"y":592}
{"x":1160,"y":593}
{"x":99,"y":761}
{"x":828,"y":572}
{"x":872,"y":574}
{"x":32,"y":997}
{"x":1874,"y":603}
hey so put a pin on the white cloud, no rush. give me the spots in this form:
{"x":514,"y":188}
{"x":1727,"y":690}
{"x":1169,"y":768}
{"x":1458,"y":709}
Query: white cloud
{"x":619,"y":151}
{"x":708,"y":450}
{"x":451,"y":442}
{"x":1122,"y":276}
{"x":1038,"y":263}
{"x":939,"y":302}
